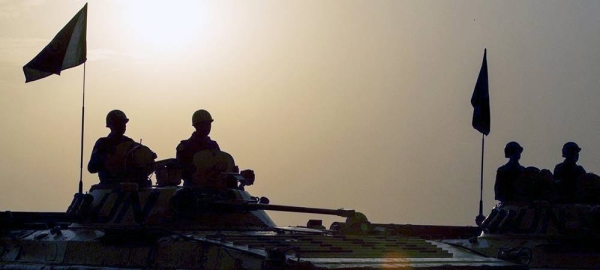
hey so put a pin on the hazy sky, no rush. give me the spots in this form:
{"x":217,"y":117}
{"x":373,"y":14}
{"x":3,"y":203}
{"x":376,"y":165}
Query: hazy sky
{"x":355,"y":104}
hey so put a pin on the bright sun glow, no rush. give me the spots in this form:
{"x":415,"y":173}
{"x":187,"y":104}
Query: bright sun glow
{"x":159,"y":27}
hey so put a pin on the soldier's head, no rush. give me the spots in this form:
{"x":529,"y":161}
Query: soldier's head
{"x":570,"y":151}
{"x":202,"y":121}
{"x":116,"y":120}
{"x":513,"y":150}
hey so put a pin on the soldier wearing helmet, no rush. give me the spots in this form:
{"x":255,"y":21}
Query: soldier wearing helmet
{"x":109,"y":154}
{"x":505,"y":187}
{"x":202,"y":123}
{"x":199,"y":141}
{"x":567,"y":173}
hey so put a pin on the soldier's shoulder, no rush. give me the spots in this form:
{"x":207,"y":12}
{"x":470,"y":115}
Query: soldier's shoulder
{"x":503,"y":168}
{"x":182,"y":145}
{"x":100,"y":141}
{"x":558,"y":166}
{"x":213,"y":145}
{"x":209,"y":140}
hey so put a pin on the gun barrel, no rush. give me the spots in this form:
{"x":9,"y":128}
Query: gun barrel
{"x":287,"y":208}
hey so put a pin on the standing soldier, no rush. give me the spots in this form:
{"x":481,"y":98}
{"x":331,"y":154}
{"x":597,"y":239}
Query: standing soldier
{"x":505,"y":187}
{"x":567,"y":173}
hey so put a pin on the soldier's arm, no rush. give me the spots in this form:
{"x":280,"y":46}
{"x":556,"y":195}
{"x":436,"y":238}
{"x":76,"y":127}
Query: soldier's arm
{"x":96,"y":162}
{"x":499,"y":187}
{"x":183,"y":158}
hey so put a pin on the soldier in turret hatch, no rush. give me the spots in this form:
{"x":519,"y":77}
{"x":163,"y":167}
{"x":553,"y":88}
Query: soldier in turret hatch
{"x":506,"y":175}
{"x":199,"y":141}
{"x":117,"y":158}
{"x":202,"y":122}
{"x":567,"y":173}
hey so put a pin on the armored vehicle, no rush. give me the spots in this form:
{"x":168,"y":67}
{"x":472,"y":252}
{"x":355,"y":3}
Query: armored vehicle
{"x":542,"y":229}
{"x":168,"y":226}
{"x":541,"y":235}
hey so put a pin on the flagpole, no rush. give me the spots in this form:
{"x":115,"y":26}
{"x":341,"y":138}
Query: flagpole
{"x":82,"y":127}
{"x":479,"y":219}
{"x":481,"y":121}
{"x":66,"y":50}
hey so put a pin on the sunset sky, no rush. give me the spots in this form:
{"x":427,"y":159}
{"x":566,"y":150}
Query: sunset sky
{"x":336,"y":104}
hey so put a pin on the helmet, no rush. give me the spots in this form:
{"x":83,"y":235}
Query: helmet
{"x":512,"y":148}
{"x":201,"y":116}
{"x":570,"y":148}
{"x":115,"y":116}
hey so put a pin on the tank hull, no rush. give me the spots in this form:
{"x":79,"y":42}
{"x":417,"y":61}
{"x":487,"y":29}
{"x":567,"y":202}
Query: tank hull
{"x":187,"y":228}
{"x":289,"y":249}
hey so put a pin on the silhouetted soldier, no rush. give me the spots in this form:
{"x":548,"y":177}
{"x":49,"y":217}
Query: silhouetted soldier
{"x":567,"y":173}
{"x":202,"y":122}
{"x":199,"y":141}
{"x":506,"y":175}
{"x":117,"y":158}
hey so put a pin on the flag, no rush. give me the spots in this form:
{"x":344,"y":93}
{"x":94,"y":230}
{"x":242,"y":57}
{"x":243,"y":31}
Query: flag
{"x":66,"y":50}
{"x":481,"y":100}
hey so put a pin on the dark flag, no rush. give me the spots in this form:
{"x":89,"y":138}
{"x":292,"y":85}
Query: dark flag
{"x":481,"y":100}
{"x":66,"y":50}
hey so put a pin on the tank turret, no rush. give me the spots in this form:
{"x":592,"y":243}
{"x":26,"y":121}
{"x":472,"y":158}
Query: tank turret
{"x":174,"y":207}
